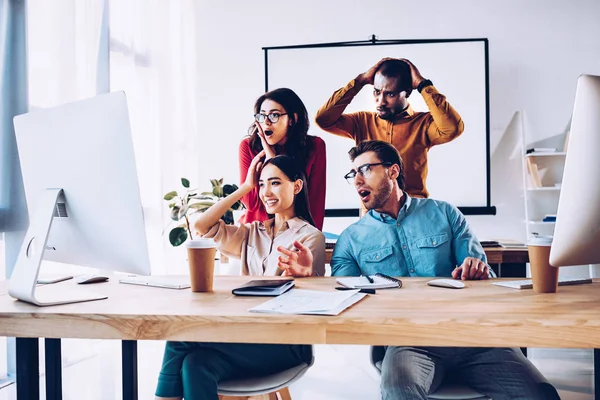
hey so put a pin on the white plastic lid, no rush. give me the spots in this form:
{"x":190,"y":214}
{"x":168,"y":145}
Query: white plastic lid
{"x":200,"y":244}
{"x":540,"y":240}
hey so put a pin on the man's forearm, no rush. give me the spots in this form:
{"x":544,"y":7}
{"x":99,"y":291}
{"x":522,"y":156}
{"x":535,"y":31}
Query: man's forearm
{"x":447,"y":121}
{"x":331,"y":113}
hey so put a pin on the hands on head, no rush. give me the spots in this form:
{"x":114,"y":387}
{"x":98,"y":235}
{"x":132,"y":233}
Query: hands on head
{"x":368,"y":77}
{"x":471,"y":269}
{"x":296,"y":263}
{"x":267,"y":148}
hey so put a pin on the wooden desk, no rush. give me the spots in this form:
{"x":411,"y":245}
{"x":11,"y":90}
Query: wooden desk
{"x":505,"y":262}
{"x":416,"y":315}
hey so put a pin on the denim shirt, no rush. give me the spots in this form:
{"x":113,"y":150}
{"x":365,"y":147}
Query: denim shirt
{"x":429,"y":238}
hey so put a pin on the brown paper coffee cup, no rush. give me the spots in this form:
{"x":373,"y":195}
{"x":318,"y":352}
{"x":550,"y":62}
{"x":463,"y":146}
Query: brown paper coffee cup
{"x":543,"y":275}
{"x":201,"y":258}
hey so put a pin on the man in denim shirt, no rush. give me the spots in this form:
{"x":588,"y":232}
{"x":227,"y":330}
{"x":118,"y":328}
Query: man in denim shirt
{"x":404,"y":236}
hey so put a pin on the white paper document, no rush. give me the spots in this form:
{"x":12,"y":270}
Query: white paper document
{"x":302,"y":301}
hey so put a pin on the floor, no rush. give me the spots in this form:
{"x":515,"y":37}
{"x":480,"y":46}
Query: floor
{"x":92,"y":372}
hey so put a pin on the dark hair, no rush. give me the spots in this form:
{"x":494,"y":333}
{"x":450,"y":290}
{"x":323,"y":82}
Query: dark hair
{"x":400,"y":70}
{"x":293,"y":171}
{"x":385,"y":153}
{"x":295,"y":145}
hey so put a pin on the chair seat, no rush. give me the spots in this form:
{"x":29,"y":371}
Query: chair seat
{"x":262,"y":384}
{"x":450,"y":391}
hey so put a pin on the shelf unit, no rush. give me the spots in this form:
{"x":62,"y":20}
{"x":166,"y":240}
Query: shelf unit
{"x":541,"y":196}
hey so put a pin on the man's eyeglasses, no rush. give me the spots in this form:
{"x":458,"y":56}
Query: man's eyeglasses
{"x":273,"y":117}
{"x":364,"y":170}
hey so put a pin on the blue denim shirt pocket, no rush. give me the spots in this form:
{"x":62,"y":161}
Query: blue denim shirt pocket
{"x":433,"y":255}
{"x":376,"y":260}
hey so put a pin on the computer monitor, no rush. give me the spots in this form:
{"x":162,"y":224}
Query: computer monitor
{"x":82,"y":192}
{"x":577,"y":232}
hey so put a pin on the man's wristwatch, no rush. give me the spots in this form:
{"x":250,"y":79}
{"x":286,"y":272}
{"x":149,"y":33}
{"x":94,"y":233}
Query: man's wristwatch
{"x":424,"y":83}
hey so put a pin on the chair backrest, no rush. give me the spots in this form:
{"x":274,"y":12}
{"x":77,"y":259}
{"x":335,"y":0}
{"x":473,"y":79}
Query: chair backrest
{"x":377,"y":354}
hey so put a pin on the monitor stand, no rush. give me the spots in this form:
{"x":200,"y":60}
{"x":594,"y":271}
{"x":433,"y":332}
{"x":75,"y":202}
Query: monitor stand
{"x":22,"y":283}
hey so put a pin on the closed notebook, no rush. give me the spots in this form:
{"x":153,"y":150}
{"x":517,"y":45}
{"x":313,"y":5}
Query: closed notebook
{"x":380,"y":281}
{"x":264,"y":287}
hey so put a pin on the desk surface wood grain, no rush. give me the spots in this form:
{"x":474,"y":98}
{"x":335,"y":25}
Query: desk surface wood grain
{"x":481,"y":314}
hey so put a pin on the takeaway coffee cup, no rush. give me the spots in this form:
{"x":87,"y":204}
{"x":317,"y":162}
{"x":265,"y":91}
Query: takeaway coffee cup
{"x":543,"y":275}
{"x":201,"y":257}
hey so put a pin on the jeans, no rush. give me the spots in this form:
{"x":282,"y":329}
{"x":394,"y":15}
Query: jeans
{"x":412,"y":373}
{"x":194,"y":370}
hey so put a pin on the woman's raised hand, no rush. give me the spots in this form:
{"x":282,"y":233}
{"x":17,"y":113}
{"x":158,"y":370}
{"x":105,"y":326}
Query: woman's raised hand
{"x":268,"y":149}
{"x":254,"y":170}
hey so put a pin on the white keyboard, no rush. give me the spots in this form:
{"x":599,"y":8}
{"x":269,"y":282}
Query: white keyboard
{"x":526,"y":283}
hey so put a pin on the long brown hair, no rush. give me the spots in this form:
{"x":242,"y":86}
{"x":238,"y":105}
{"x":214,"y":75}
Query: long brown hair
{"x":296,"y":144}
{"x":293,"y":171}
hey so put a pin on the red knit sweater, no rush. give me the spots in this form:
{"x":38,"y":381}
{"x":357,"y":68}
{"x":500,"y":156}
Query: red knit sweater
{"x":315,"y":176}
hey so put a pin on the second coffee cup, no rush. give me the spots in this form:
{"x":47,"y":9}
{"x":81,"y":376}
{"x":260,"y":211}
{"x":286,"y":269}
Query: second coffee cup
{"x":201,"y":258}
{"x":543,"y":275}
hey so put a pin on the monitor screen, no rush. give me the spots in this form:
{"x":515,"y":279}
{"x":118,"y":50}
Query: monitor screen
{"x":85,"y":148}
{"x":577,"y":233}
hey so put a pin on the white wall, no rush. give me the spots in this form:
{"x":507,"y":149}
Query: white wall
{"x":537,"y":50}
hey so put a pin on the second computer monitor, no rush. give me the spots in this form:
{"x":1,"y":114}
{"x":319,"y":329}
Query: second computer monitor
{"x":85,"y":148}
{"x":577,"y":232}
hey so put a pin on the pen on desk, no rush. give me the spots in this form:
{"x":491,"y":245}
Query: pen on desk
{"x":368,"y":291}
{"x":369,"y":278}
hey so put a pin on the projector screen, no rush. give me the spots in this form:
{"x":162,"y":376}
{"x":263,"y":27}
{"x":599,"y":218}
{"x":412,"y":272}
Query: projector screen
{"x":459,"y":170}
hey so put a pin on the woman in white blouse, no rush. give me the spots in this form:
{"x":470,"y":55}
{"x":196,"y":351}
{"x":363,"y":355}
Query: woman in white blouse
{"x":287,"y":244}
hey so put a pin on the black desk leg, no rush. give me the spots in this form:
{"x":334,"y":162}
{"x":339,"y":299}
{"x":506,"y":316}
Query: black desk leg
{"x":53,"y":369}
{"x":597,"y":374}
{"x":130,"y":375}
{"x":28,"y":369}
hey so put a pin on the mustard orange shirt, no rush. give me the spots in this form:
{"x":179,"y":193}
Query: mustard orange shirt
{"x":411,"y":133}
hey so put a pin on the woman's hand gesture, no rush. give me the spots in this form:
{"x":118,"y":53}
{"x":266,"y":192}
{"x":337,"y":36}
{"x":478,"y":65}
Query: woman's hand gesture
{"x":296,"y":263}
{"x":268,"y":149}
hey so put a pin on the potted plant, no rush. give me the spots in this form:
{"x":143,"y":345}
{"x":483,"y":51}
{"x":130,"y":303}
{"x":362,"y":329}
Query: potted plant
{"x":192,"y":201}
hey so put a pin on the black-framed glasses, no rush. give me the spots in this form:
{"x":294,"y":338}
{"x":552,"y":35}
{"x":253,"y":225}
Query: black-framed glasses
{"x":273,"y":117}
{"x":364,"y":170}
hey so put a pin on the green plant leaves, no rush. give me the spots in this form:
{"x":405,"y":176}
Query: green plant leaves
{"x":178,"y":212}
{"x":170,"y":195}
{"x":193,"y":201}
{"x":178,"y":236}
{"x":228,"y":189}
{"x":202,"y":205}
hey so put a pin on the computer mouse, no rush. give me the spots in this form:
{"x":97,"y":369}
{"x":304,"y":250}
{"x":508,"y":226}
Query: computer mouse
{"x":447,"y":283}
{"x":84,"y":279}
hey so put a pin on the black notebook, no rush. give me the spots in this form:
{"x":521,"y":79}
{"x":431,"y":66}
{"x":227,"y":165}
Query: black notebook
{"x":264,"y":287}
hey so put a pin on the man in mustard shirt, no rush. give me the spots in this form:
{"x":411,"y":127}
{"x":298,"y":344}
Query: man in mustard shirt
{"x":411,"y":133}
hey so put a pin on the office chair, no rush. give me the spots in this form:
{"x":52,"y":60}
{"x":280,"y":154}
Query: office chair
{"x":274,"y":385}
{"x":446,"y":391}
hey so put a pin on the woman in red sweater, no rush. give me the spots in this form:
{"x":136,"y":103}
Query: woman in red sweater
{"x":281,"y":126}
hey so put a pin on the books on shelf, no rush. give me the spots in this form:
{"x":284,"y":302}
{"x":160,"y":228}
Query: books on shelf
{"x":489,"y":243}
{"x":541,"y":150}
{"x":512,"y":244}
{"x":534,"y":174}
{"x":377,"y":281}
{"x":504,"y":243}
{"x":264,"y":287}
{"x":302,"y":301}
